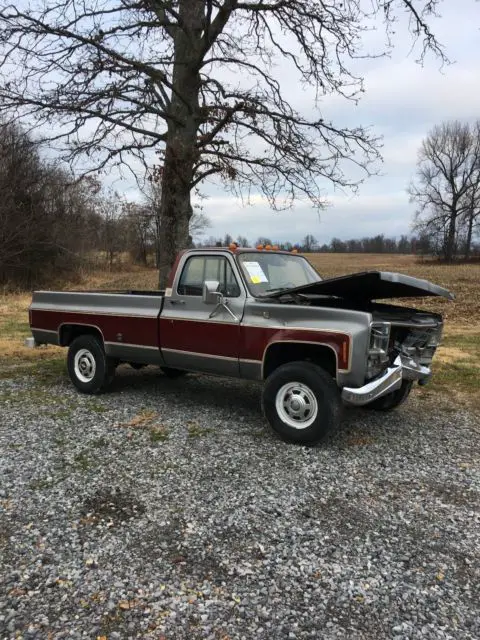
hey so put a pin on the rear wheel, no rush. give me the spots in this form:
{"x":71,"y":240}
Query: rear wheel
{"x":301,"y":402}
{"x":90,"y":369}
{"x":392,"y":400}
{"x":173,"y":374}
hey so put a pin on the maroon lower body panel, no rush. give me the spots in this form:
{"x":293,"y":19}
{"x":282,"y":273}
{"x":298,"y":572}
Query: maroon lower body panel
{"x":142,"y":331}
{"x":209,"y":338}
{"x":244,"y":342}
{"x":255,"y":341}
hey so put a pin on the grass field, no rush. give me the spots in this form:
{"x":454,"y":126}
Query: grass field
{"x":456,"y":366}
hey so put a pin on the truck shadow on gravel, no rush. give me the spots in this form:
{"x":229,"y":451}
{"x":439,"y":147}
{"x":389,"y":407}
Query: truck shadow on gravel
{"x":242,"y":399}
{"x":201,"y":389}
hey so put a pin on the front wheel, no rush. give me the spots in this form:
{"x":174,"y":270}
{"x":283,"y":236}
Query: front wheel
{"x":301,"y":402}
{"x":89,"y":368}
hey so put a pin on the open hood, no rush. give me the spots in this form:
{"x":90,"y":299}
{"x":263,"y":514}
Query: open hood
{"x":371,"y":285}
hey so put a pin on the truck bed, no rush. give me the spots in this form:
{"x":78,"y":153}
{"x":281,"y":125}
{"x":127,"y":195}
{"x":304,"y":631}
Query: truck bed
{"x":127,"y":321}
{"x":123,"y":292}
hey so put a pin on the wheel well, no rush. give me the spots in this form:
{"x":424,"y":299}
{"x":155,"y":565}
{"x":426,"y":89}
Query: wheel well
{"x":68,"y":333}
{"x":281,"y":353}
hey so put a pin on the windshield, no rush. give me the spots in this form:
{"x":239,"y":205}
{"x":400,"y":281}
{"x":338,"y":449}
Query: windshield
{"x":266,"y":272}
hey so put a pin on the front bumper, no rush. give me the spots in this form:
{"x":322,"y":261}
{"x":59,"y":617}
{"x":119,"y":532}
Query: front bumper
{"x":403,"y":368}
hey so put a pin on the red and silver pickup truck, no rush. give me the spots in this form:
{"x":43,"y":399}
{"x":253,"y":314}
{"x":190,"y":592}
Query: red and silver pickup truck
{"x":261,"y":315}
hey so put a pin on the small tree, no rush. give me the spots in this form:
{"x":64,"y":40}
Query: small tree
{"x":139,"y":223}
{"x":337,"y":245}
{"x":309,"y":243}
{"x":262,"y":240}
{"x":242,"y":241}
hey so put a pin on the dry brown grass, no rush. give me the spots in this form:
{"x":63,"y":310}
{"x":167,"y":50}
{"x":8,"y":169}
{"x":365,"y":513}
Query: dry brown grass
{"x":457,"y":365}
{"x":463,"y":280}
{"x":14,"y":329}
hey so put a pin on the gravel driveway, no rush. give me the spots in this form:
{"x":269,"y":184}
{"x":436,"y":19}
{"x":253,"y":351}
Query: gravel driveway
{"x":167,"y":509}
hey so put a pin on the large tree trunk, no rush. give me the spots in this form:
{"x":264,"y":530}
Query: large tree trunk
{"x":468,"y":245}
{"x":175,"y":211}
{"x":450,"y":239}
{"x":181,"y":153}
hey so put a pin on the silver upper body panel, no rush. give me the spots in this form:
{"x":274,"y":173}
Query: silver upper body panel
{"x":111,"y":303}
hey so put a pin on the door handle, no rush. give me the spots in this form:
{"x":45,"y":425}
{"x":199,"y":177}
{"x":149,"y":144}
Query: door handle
{"x":177,"y":301}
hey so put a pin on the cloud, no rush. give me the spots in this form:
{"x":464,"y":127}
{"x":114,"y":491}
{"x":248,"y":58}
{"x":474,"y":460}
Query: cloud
{"x":365,"y":215}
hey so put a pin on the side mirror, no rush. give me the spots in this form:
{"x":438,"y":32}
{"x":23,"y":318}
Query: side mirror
{"x":210,"y":294}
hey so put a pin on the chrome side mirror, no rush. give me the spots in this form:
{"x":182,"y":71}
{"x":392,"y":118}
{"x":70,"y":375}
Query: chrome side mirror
{"x":210,"y":294}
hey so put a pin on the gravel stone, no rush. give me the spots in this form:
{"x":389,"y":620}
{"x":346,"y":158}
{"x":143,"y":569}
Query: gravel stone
{"x":169,"y":509}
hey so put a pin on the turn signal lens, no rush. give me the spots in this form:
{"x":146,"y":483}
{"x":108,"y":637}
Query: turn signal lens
{"x":379,"y":337}
{"x":436,"y":336}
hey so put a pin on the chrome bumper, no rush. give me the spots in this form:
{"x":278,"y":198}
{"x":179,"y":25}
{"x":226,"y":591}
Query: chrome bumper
{"x":403,"y":368}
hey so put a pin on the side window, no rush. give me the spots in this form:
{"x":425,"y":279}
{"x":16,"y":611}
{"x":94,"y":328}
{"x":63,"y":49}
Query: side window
{"x":197,"y":269}
{"x":191,"y":280}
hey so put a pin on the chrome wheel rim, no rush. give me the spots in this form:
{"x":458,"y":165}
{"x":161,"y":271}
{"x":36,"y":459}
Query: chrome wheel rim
{"x":84,"y":365}
{"x":296,"y":405}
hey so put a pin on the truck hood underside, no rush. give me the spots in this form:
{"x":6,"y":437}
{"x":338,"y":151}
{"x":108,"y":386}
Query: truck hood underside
{"x":371,"y":285}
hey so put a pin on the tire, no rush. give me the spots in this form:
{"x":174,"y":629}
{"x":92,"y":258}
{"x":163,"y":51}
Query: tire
{"x":392,"y":400}
{"x":173,"y":374}
{"x":89,"y":368}
{"x":313,"y":414}
{"x":136,"y":365}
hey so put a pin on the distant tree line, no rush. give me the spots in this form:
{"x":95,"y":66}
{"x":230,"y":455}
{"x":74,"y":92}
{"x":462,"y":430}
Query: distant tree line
{"x":421,"y":244}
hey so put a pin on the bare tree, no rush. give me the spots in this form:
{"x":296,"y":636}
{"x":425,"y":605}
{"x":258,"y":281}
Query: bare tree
{"x":309,"y":243}
{"x":262,"y":240}
{"x":195,"y":80}
{"x":471,"y":208}
{"x":447,"y":188}
{"x":139,"y":221}
{"x":199,"y":223}
{"x":242,"y":241}
{"x":111,"y":210}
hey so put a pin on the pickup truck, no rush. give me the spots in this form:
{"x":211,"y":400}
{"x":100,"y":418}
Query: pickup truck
{"x":258,"y":314}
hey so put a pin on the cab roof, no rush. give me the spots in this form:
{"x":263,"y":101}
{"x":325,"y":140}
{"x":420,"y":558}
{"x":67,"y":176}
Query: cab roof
{"x":243,"y":250}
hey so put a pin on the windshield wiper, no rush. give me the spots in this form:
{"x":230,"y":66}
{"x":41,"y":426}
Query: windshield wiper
{"x":278,"y":289}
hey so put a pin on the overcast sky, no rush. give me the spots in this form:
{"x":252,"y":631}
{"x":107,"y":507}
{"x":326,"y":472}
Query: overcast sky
{"x":403,"y":101}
